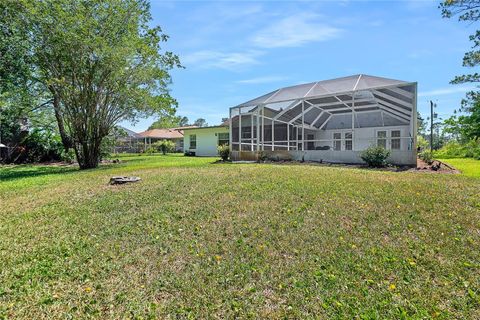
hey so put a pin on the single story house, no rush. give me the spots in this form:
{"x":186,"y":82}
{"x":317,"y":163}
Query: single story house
{"x":205,"y":140}
{"x":330,"y":120}
{"x":139,"y":142}
{"x":172,"y":134}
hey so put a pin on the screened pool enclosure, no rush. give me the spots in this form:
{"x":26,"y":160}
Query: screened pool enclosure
{"x":331,"y":120}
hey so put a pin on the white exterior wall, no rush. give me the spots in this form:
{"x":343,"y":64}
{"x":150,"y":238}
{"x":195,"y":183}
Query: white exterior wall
{"x":207,"y":140}
{"x":362,"y":139}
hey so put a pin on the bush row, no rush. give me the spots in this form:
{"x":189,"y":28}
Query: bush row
{"x":454,"y":149}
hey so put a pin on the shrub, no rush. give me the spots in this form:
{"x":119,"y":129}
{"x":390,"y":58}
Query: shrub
{"x":164,"y":146}
{"x":426,"y":156}
{"x":262,"y":156}
{"x":422,"y":143}
{"x":224,"y":152}
{"x":106,"y":147}
{"x":150,"y":150}
{"x":69,"y":156}
{"x":41,"y":146}
{"x":455,"y":149}
{"x":375,"y":156}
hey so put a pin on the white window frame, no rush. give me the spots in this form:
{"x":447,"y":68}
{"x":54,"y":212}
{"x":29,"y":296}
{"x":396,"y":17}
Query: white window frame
{"x":396,"y":138}
{"x":190,"y":141}
{"x":377,"y":138}
{"x":343,"y":139}
{"x":218,"y":138}
{"x":336,"y":140}
{"x":388,"y":138}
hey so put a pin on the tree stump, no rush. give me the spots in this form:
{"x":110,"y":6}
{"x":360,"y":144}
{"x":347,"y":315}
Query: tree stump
{"x":122,"y":180}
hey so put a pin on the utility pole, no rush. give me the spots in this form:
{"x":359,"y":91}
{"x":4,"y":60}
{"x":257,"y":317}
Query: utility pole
{"x":431,"y":125}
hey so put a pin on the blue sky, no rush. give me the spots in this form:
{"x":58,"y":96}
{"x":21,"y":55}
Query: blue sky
{"x":236,"y":51}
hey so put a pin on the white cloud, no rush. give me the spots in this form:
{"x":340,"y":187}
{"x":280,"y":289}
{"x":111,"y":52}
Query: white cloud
{"x":259,"y":80}
{"x":294,"y":31}
{"x":446,"y":91}
{"x":222,"y":60}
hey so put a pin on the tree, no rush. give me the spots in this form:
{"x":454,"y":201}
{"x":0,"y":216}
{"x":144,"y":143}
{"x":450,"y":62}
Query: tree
{"x":167,"y":121}
{"x":469,"y":11}
{"x":464,"y":128}
{"x":468,"y":124}
{"x":183,"y":122}
{"x":100,"y":63}
{"x":164,"y":146}
{"x":200,"y":122}
{"x":20,"y":95}
{"x":421,"y":124}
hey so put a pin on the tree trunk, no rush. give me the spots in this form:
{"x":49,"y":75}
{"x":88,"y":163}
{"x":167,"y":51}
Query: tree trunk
{"x":88,"y":154}
{"x":89,"y":163}
{"x":66,"y":140}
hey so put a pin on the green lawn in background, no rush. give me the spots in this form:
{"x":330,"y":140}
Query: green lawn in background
{"x":468,"y":166}
{"x":196,"y":239}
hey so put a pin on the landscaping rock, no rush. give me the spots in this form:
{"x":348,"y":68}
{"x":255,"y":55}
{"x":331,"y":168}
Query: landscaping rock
{"x":122,"y":180}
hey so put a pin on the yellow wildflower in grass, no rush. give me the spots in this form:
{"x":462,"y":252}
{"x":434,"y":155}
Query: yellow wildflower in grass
{"x":218,"y":258}
{"x":392,"y":287}
{"x":88,"y":289}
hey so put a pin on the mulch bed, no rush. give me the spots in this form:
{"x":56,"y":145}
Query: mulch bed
{"x":435,"y":167}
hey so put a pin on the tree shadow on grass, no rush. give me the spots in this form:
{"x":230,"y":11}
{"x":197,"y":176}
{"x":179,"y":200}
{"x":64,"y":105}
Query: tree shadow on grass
{"x":13,"y":172}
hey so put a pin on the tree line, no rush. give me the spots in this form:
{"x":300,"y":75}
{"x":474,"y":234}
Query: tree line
{"x":176,"y":121}
{"x":459,"y":134}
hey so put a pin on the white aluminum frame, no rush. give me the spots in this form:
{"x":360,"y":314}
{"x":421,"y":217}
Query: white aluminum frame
{"x":381,"y":101}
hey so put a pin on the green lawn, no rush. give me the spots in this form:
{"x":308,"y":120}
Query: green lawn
{"x":202,"y":240}
{"x":468,"y":166}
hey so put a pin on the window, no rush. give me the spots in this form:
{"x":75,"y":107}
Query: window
{"x":337,"y":141}
{"x":395,"y":140}
{"x":348,"y":141}
{"x":382,"y":139}
{"x":246,"y":132}
{"x":193,"y":141}
{"x":223,"y":138}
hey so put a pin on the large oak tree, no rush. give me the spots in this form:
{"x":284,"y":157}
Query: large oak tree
{"x":100,"y":62}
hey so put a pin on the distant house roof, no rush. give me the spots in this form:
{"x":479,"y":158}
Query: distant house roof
{"x":173,"y":133}
{"x":129,"y":132}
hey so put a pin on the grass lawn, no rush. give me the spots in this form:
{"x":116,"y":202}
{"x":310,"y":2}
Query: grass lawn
{"x":202,"y":240}
{"x":468,"y":166}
